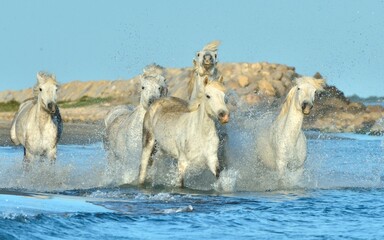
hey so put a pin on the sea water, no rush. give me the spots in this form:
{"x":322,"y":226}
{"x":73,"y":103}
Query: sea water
{"x":341,"y":196}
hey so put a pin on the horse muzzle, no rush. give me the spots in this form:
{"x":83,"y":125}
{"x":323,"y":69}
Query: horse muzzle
{"x":164,"y":91}
{"x":207,"y":61}
{"x":224,"y":117}
{"x":306,"y":108}
{"x":51,"y":107}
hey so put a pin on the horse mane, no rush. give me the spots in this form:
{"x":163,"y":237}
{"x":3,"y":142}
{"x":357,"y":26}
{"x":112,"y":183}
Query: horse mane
{"x":42,"y":78}
{"x":287,"y":102}
{"x":317,"y":83}
{"x":153,"y":70}
{"x":191,"y":82}
{"x":212,"y":46}
{"x":218,"y":85}
{"x":195,"y":103}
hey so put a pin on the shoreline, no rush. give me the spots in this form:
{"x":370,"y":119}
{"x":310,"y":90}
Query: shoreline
{"x":73,"y":133}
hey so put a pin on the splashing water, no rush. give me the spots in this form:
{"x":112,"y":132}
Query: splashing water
{"x":334,"y":160}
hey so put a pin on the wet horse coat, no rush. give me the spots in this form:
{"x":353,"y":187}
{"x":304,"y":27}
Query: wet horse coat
{"x":282,"y":146}
{"x":185,"y":131}
{"x":37,"y":125}
{"x":123,"y":133}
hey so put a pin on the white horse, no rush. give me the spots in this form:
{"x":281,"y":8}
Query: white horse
{"x":204,"y":64}
{"x":37,"y":125}
{"x":153,"y":70}
{"x":282,"y":146}
{"x":185,"y":131}
{"x":123,"y":134}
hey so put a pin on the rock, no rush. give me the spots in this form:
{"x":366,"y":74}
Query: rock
{"x":375,"y":108}
{"x":252,"y":99}
{"x":243,"y":81}
{"x":279,"y":88}
{"x":355,"y":107}
{"x":277,"y":75}
{"x":247,"y":83}
{"x":264,"y":87}
{"x":378,"y":128}
{"x":256,"y":67}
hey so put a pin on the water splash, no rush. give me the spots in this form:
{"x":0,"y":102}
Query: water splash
{"x":334,"y":161}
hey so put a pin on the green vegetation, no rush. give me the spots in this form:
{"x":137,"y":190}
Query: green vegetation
{"x":11,"y":106}
{"x":83,"y":101}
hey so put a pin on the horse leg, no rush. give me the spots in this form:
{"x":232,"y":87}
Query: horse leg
{"x":182,"y":166}
{"x":213,"y":164}
{"x":51,"y":155}
{"x":223,"y":139}
{"x":27,"y":159}
{"x":148,"y":145}
{"x":281,"y":172}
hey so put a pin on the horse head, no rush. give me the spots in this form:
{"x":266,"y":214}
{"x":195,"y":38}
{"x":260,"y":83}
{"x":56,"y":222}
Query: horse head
{"x":214,"y":98}
{"x":45,"y":91}
{"x":153,"y":86}
{"x":205,"y":60}
{"x":304,"y":93}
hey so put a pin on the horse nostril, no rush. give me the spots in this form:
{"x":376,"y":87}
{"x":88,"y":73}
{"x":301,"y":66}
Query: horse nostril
{"x":51,"y":107}
{"x":151,"y":100}
{"x":208,"y":57}
{"x":306,"y":104}
{"x":223,"y":116}
{"x":163,"y":91}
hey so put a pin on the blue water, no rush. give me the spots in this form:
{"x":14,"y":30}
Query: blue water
{"x":341,"y":196}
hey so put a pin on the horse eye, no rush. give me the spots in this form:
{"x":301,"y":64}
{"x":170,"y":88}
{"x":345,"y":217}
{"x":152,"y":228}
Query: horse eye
{"x":298,"y":88}
{"x":40,"y":89}
{"x":198,"y":54}
{"x":208,"y":96}
{"x":142,"y":88}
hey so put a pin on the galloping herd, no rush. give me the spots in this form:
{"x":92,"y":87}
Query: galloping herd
{"x":188,"y":126}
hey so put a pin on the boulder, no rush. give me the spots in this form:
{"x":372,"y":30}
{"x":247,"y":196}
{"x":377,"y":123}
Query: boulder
{"x":243,"y":81}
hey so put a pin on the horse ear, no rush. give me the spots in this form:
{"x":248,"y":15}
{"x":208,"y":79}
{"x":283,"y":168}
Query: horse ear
{"x":221,"y":79}
{"x":40,"y":78}
{"x":206,"y":80}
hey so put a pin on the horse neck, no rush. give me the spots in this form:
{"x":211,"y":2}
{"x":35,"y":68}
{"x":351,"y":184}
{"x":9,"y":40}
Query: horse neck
{"x":200,"y":121}
{"x":288,"y":126}
{"x":41,"y":116}
{"x":142,"y":102}
{"x":197,"y":80}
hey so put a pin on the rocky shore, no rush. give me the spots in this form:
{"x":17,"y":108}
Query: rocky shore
{"x":249,"y":84}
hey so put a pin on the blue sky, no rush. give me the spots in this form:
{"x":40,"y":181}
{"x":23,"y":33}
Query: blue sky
{"x":94,"y":40}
